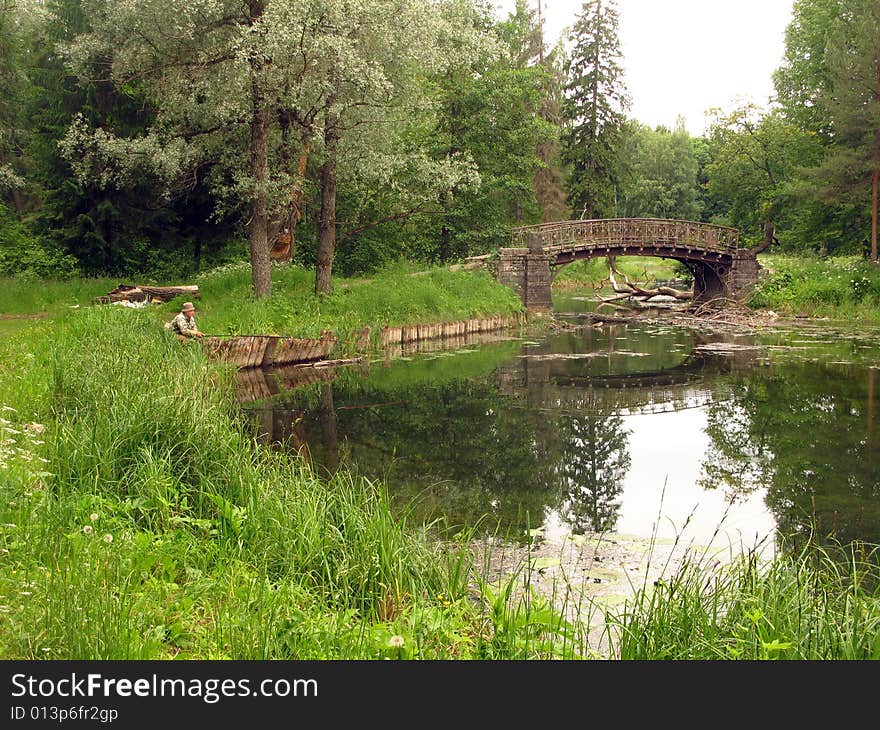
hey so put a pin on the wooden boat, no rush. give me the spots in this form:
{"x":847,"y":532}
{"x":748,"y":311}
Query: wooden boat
{"x":253,"y":351}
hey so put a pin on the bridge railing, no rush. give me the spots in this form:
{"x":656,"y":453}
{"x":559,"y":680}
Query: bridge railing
{"x":655,"y":232}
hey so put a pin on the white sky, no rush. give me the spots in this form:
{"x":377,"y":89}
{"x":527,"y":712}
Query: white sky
{"x":685,"y":56}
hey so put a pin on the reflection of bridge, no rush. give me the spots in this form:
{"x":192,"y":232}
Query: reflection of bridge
{"x":688,"y":385}
{"x":720,"y":267}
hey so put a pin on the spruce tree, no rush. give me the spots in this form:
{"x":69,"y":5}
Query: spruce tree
{"x":594,"y":110}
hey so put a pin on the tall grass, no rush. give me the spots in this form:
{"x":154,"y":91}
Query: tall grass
{"x":809,"y":605}
{"x":157,"y":527}
{"x":394,"y":296}
{"x":28,"y":295}
{"x":840,"y":288}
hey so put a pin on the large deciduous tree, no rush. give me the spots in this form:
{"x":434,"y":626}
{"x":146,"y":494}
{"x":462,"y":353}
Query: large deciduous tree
{"x":853,"y":103}
{"x":237,"y":87}
{"x":594,"y":110}
{"x":755,"y":167}
{"x":661,"y":179}
{"x":829,"y":86}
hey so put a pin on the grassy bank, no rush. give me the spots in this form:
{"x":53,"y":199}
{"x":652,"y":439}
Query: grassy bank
{"x":140,"y":520}
{"x":840,"y":288}
{"x":395,"y":296}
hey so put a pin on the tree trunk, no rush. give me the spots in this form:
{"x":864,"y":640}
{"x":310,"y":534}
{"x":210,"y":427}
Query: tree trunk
{"x":875,"y":183}
{"x":327,"y":226}
{"x":261,"y":272}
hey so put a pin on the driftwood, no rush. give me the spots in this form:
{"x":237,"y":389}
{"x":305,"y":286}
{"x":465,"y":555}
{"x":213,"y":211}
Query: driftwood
{"x":144,"y":293}
{"x":631,"y":290}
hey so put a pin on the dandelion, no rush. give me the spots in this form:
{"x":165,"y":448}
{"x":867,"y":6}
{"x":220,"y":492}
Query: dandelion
{"x":108,"y":538}
{"x":396,"y":641}
{"x":88,"y":529}
{"x":93,"y":517}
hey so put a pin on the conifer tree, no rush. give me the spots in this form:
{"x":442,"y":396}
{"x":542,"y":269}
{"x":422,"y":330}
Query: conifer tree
{"x":594,"y":110}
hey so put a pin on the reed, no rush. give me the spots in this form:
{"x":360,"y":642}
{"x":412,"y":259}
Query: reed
{"x":809,"y":605}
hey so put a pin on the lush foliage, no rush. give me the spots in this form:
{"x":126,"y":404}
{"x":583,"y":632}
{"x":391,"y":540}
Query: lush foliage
{"x":841,"y":287}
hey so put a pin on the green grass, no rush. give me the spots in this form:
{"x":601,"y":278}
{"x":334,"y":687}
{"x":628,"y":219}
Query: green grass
{"x":845,"y":288}
{"x":394,"y":296}
{"x":27,"y":295}
{"x":138,"y":519}
{"x":810,"y":605}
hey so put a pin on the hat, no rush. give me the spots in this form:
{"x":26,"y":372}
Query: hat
{"x":187,"y":306}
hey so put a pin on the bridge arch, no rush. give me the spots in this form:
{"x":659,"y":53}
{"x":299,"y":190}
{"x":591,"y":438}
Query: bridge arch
{"x":720,"y":266}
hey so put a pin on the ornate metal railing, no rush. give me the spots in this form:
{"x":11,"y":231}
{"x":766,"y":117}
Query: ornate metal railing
{"x":656,"y":233}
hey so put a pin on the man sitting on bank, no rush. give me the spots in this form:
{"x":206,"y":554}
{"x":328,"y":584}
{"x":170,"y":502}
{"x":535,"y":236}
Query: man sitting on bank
{"x":184,"y":324}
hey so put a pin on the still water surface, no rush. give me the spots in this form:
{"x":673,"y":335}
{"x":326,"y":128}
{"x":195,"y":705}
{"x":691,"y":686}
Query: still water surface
{"x":639,"y":429}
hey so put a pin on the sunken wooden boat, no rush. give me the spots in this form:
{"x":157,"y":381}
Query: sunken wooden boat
{"x":255,"y":351}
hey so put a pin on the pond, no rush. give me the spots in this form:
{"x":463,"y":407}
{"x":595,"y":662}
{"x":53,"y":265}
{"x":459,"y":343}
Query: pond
{"x":650,"y":430}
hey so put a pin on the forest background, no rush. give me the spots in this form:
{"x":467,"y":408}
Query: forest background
{"x":155,"y":140}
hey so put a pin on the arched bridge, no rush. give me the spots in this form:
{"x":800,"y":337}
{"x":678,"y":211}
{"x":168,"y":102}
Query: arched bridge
{"x":720,"y":266}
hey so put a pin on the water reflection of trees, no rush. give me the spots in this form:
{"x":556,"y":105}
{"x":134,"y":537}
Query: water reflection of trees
{"x":590,"y":470}
{"x":805,"y":432}
{"x":462,"y":450}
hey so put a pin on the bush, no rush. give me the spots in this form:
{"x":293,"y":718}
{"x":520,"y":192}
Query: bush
{"x":22,"y":254}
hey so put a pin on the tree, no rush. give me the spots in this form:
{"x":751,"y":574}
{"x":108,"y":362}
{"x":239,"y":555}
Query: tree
{"x":661,"y":180}
{"x":756,"y":160}
{"x":594,"y":110}
{"x":524,"y":36}
{"x":853,"y":103}
{"x":488,"y":112}
{"x":16,"y":19}
{"x":803,"y":79}
{"x":245,"y":90}
{"x":829,"y":87}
